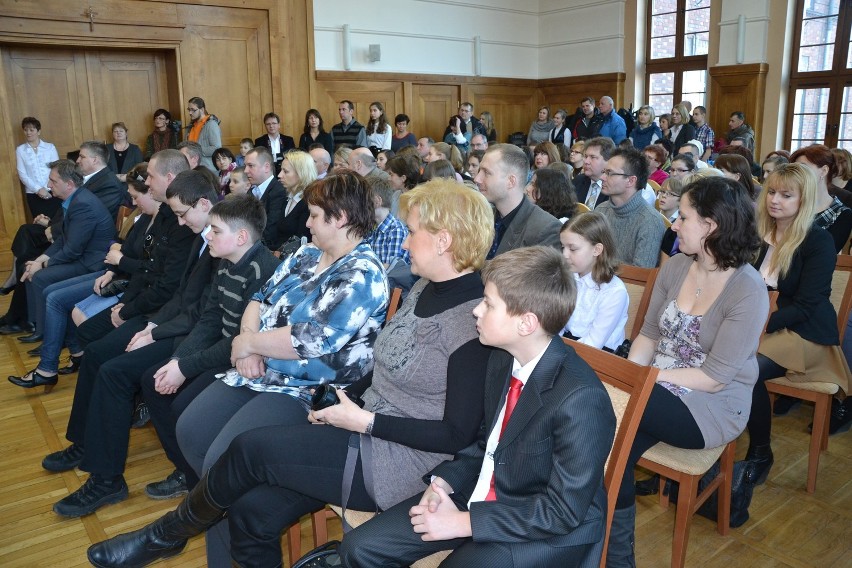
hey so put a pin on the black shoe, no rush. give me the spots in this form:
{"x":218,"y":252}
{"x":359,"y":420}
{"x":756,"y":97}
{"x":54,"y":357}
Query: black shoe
{"x":784,"y":404}
{"x":172,"y":486}
{"x":35,"y":379}
{"x":34,"y":337}
{"x":73,"y":365}
{"x":650,"y":486}
{"x":6,"y":290}
{"x":63,"y":460}
{"x":11,"y":329}
{"x":141,"y":415}
{"x":93,"y":495}
{"x":841,"y":415}
{"x":35,"y":351}
{"x":762,"y":458}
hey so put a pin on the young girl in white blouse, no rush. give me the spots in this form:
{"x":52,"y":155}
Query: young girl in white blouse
{"x":601,"y":312}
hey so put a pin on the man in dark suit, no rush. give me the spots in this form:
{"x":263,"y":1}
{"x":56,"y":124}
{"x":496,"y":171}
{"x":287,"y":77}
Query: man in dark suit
{"x":278,"y":144}
{"x":518,"y":221}
{"x":98,"y":178}
{"x":595,"y":156}
{"x":529,"y":492}
{"x":269,"y":190}
{"x":87,"y":232}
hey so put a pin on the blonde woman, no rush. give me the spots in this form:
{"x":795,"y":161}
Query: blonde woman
{"x":680,"y":131}
{"x":797,"y":258}
{"x":297,"y":172}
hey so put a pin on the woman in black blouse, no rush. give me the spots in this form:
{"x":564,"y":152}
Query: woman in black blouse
{"x":314,"y":133}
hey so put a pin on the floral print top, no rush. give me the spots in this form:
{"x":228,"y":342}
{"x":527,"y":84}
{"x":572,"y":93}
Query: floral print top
{"x":334,"y":316}
{"x":678,"y":347}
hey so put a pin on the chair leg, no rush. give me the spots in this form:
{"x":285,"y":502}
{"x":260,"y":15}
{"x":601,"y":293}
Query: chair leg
{"x":723,"y":515}
{"x":319,"y":521}
{"x":686,"y":498}
{"x":664,"y":497}
{"x":819,"y":438}
{"x":294,"y":542}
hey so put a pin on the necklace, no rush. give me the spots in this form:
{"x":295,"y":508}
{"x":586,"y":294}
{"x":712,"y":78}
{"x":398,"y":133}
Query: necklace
{"x":698,"y":292}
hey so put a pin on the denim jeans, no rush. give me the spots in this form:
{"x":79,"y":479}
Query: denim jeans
{"x":59,"y":329}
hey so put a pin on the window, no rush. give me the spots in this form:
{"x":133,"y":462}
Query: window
{"x":821,"y":78}
{"x":676,"y":52}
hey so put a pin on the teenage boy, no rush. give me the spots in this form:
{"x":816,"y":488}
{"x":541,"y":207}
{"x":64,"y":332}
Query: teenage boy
{"x":529,"y":491}
{"x":387,"y":238}
{"x":102,"y":438}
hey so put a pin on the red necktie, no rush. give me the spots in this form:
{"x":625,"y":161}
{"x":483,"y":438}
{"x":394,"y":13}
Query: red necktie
{"x":511,"y":400}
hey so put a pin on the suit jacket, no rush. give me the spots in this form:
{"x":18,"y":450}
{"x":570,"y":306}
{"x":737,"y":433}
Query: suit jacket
{"x":686,"y":134}
{"x":549,"y":463}
{"x":274,"y":201}
{"x":531,"y":226}
{"x":286,"y":145}
{"x":294,"y":224}
{"x":87,"y":231}
{"x":582,"y":183}
{"x":108,"y":189}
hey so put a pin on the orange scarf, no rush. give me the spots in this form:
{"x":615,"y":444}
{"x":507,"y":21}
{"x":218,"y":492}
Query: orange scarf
{"x":195,"y":132}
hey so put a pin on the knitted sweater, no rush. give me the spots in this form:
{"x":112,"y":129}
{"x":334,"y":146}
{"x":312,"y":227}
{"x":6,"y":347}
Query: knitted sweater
{"x":208,"y":346}
{"x":638,"y":230}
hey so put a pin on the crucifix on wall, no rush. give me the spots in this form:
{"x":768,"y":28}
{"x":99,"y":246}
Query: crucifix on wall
{"x":90,"y":12}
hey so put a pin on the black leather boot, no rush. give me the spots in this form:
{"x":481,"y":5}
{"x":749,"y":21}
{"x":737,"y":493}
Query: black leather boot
{"x":762,"y":458}
{"x":163,"y":538}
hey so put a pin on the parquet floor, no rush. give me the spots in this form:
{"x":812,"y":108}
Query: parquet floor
{"x":788,"y":527}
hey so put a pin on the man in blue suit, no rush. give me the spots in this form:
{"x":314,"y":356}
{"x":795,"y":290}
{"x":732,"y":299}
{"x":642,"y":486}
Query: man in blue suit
{"x":79,"y":248}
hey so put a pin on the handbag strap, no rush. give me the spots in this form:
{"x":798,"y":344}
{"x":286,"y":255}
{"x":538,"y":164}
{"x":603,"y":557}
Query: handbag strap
{"x":365,"y":446}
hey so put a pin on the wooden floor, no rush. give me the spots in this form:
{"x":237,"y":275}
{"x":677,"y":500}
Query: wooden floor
{"x":788,"y":527}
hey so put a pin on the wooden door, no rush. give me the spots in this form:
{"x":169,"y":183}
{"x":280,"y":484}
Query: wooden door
{"x":433,"y":105}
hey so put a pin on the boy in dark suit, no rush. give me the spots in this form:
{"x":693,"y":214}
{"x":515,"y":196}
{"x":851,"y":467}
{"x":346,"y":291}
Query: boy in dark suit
{"x":529,"y":491}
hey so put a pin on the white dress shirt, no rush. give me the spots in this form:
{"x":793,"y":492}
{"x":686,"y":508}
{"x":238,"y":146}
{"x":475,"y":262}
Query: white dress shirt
{"x":32,"y":164}
{"x":601,"y":312}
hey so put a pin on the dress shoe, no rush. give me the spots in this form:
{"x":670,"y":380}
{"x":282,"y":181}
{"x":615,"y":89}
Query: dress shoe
{"x":63,"y":460}
{"x":141,"y":415}
{"x":93,"y":495}
{"x":34,"y":337}
{"x":35,"y":379}
{"x":11,"y":329}
{"x":841,"y":415}
{"x":172,"y":486}
{"x":648,"y":486}
{"x":762,"y":458}
{"x":6,"y":290}
{"x":35,"y":351}
{"x":73,"y":365}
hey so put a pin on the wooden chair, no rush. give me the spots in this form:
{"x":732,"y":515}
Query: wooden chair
{"x":393,"y":305}
{"x":654,"y":185}
{"x":820,"y":393}
{"x":666,"y":221}
{"x":687,"y":467}
{"x":125,"y":213}
{"x":640,"y":284}
{"x":582,"y":208}
{"x":629,"y":385}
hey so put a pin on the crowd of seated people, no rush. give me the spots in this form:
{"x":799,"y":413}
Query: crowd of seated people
{"x":226,"y":343}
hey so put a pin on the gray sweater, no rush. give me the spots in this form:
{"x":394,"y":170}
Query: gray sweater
{"x":638,"y":230}
{"x":729,"y":335}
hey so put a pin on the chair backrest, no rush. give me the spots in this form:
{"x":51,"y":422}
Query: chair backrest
{"x":666,"y":221}
{"x":654,"y":185}
{"x":122,"y":225}
{"x":582,"y":208}
{"x":629,"y":386}
{"x":640,"y":284}
{"x":395,"y":302}
{"x":841,"y":291}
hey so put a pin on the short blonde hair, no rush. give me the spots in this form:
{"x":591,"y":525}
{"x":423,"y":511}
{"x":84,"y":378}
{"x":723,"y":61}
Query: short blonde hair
{"x":465,"y":214}
{"x":303,"y":164}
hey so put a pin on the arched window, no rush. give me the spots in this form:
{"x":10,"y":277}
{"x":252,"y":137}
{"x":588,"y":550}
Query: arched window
{"x":676,"y":52}
{"x":820,"y":102}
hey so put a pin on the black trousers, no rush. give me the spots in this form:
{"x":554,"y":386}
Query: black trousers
{"x":760,"y":420}
{"x":39,"y":206}
{"x":29,"y":242}
{"x":389,"y":540}
{"x":666,"y":419}
{"x":269,"y":477}
{"x":97,"y":352}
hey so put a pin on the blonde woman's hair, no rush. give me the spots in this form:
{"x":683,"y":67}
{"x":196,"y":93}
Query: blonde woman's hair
{"x":303,"y":164}
{"x":795,"y":177}
{"x":465,"y":214}
{"x":701,"y":174}
{"x":684,"y":116}
{"x":451,"y":153}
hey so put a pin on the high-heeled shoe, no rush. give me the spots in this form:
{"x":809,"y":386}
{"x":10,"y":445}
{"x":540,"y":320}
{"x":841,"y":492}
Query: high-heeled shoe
{"x":35,"y":379}
{"x":73,"y":365}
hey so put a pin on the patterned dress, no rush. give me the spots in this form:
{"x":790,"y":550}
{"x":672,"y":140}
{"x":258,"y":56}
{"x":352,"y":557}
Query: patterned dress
{"x":678,"y":347}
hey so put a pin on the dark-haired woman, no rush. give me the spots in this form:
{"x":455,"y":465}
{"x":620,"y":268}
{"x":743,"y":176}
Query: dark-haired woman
{"x":423,"y":402}
{"x":402,"y":137}
{"x":737,"y":168}
{"x":403,"y":174}
{"x":702,"y":331}
{"x":379,"y":132}
{"x":314,"y":133}
{"x":225,"y":163}
{"x":553,"y":191}
{"x":163,"y":137}
{"x":32,"y":158}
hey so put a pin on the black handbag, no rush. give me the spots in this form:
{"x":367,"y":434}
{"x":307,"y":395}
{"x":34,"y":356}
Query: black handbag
{"x":742,"y":490}
{"x":114,"y":288}
{"x":324,"y":556}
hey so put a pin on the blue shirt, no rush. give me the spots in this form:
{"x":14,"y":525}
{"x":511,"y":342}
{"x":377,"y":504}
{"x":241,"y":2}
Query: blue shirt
{"x":387,"y":238}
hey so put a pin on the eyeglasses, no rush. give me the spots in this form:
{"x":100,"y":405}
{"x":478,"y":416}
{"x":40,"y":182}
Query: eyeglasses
{"x":681,"y":170}
{"x":183,"y":213}
{"x":190,"y":109}
{"x":609,"y":173}
{"x":665,"y":193}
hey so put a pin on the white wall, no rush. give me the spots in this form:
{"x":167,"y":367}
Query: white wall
{"x":757,"y":28}
{"x":530,"y":39}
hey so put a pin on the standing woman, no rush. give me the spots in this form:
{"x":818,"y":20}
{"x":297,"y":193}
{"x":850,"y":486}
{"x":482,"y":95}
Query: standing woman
{"x":797,"y":258}
{"x":164,"y":136}
{"x":702,"y":331}
{"x":204,"y":129}
{"x":646,"y":131}
{"x":488,"y":123}
{"x":123,"y":156}
{"x":314,"y":133}
{"x":560,"y":134}
{"x":540,"y":128}
{"x":680,"y":131}
{"x":403,"y":137}
{"x":830,"y":213}
{"x":297,"y":173}
{"x":32,"y":158}
{"x":379,"y":132}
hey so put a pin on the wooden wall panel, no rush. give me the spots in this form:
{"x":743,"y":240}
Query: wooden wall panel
{"x":361,"y":93}
{"x":513,"y":108}
{"x":432,"y":106}
{"x":566,"y":92}
{"x":737,"y":88}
